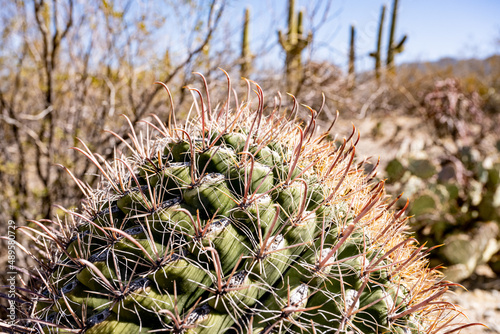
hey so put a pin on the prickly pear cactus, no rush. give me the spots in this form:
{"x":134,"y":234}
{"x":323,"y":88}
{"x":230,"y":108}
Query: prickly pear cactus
{"x":237,"y":221}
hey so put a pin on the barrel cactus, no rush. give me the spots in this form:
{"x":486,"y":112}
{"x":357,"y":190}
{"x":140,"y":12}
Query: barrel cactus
{"x":236,"y":221}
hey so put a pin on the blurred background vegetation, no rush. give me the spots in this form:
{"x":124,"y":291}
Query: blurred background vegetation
{"x":69,"y":68}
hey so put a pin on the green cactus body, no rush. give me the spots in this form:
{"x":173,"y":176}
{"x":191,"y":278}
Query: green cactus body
{"x":265,"y":228}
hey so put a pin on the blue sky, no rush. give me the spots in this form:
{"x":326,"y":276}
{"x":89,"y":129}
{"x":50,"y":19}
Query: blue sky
{"x":435,"y":28}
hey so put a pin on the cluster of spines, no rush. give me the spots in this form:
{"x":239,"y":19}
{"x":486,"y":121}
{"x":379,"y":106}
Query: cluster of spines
{"x":255,"y":226}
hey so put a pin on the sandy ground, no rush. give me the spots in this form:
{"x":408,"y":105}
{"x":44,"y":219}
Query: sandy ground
{"x":479,"y":306}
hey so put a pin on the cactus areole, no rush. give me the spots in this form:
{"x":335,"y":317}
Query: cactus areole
{"x":238,"y":220}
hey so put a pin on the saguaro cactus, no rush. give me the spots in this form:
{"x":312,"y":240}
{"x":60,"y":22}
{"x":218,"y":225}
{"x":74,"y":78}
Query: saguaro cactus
{"x":377,"y":53}
{"x":246,"y":56}
{"x":352,"y":58}
{"x":394,"y":48}
{"x":293,"y":44}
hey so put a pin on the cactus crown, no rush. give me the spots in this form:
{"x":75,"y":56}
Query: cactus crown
{"x":237,"y":221}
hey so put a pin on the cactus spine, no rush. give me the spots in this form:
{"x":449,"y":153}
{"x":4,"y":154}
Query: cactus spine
{"x":293,"y":44}
{"x":238,"y":221}
{"x":392,"y":47}
{"x":246,"y":56}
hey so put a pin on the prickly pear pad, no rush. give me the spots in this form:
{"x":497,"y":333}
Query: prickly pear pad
{"x":239,"y":220}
